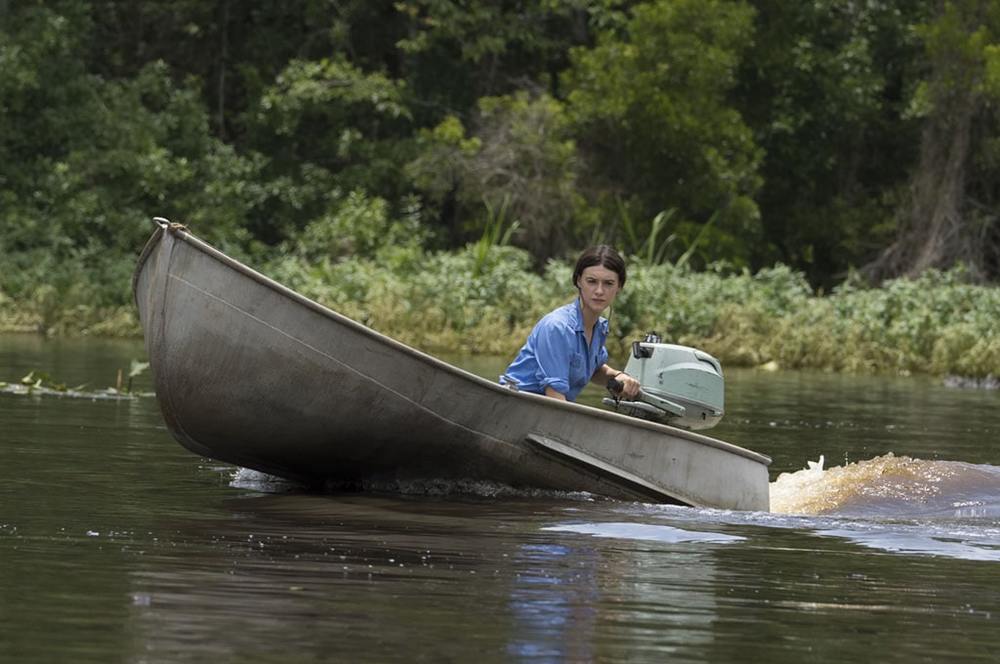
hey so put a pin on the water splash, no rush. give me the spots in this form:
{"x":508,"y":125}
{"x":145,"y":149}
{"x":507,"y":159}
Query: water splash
{"x":890,"y":486}
{"x":255,"y":480}
{"x":471,"y":487}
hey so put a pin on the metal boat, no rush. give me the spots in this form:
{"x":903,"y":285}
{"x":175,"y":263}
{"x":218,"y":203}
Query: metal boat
{"x":249,"y":372}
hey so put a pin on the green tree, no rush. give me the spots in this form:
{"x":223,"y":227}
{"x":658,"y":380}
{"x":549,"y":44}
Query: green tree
{"x":324,"y":125}
{"x":457,"y":51}
{"x":825,"y":87}
{"x":951,"y":215}
{"x":520,"y":159}
{"x":86,"y":161}
{"x":651,"y":107}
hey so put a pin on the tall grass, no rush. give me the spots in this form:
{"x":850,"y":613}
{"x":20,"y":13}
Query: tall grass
{"x":497,"y":232}
{"x":487,"y":300}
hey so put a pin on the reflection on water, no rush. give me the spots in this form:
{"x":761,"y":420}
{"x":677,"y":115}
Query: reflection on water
{"x":552,"y":603}
{"x":924,"y":539}
{"x":642,"y":531}
{"x":397,"y":574}
{"x":116,"y":544}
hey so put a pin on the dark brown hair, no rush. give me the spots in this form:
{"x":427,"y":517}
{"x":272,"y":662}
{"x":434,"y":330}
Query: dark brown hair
{"x":604,"y":256}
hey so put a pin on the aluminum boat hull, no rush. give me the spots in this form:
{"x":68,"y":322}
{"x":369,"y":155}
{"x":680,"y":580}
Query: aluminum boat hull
{"x":249,"y":372}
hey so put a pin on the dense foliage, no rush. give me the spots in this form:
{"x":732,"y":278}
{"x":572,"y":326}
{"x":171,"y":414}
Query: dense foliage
{"x":428,"y":165}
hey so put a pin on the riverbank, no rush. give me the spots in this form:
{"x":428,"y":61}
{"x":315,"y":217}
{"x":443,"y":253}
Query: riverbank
{"x":476,"y":301}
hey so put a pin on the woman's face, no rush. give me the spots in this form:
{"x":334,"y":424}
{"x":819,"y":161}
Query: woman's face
{"x":598,"y":288}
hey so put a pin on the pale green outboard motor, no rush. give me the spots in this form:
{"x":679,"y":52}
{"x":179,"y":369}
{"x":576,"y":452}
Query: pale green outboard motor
{"x":681,"y":386}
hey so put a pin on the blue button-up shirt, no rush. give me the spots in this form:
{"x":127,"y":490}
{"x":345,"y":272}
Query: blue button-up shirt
{"x":556,"y":354}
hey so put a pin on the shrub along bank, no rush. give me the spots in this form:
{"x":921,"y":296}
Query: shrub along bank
{"x":486,"y":299}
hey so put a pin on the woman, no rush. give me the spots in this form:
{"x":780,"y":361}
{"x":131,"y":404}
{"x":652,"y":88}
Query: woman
{"x":566,"y":349}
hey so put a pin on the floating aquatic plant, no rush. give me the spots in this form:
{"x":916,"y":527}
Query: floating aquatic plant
{"x":40,"y":383}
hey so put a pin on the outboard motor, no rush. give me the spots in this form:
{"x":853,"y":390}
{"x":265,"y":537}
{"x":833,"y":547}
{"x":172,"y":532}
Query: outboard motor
{"x":681,"y":386}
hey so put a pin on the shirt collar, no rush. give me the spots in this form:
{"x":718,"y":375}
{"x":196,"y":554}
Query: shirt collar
{"x":578,"y":315}
{"x":602,"y":322}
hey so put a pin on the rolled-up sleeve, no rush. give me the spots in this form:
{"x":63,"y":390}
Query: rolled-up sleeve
{"x":553,"y":347}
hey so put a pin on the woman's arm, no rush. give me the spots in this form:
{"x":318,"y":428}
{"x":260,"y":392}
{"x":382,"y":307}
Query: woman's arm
{"x":555,"y":394}
{"x":604,"y":373}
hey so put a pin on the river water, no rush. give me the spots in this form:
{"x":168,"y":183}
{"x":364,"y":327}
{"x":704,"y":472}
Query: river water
{"x":116,"y":544}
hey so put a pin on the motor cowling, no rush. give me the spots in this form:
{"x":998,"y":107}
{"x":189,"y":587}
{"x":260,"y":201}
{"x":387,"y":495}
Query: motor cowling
{"x":680,"y":386}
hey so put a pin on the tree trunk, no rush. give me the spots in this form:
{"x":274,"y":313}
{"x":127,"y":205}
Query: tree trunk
{"x":934,"y":231}
{"x":938,"y":225}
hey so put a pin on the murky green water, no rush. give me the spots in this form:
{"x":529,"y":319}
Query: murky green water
{"x":118,"y":545}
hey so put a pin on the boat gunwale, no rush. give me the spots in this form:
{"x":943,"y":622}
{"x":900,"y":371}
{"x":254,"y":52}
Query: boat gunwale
{"x":181,"y":233}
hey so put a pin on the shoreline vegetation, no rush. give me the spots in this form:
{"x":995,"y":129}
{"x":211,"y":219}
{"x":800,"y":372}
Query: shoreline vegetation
{"x":796,"y":185}
{"x":484,"y":299}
